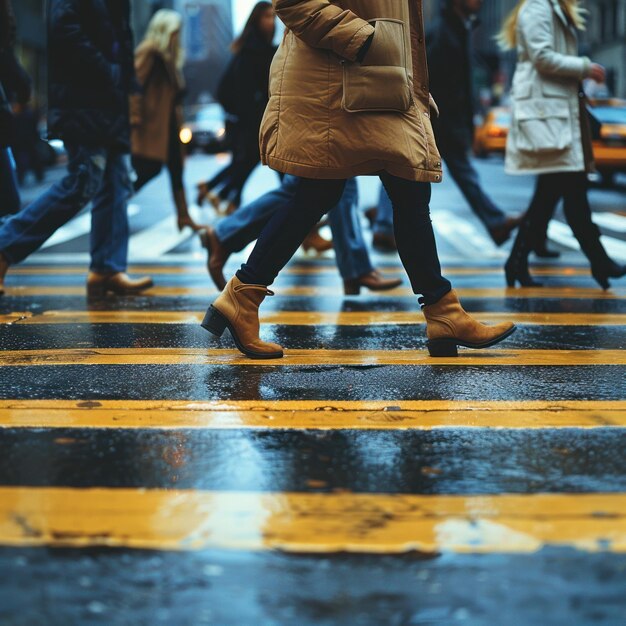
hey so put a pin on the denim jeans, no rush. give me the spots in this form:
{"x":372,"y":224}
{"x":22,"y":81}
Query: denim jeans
{"x":96,"y":175}
{"x":384,"y":215}
{"x":9,"y":194}
{"x":456,"y":157}
{"x":246,"y":224}
{"x":413,"y":230}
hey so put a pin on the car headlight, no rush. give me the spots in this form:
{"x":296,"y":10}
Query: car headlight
{"x":185,"y":135}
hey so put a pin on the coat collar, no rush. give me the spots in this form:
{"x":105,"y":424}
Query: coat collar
{"x":556,"y":5}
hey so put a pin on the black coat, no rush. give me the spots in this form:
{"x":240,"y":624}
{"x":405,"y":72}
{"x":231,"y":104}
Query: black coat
{"x":449,"y":51}
{"x":90,"y":71}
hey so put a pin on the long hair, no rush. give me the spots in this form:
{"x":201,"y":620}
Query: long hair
{"x":162,"y":26}
{"x":507,"y":37}
{"x":251,"y":27}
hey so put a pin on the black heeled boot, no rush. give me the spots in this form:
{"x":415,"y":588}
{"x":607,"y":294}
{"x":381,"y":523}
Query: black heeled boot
{"x":516,"y":268}
{"x":602,"y":266}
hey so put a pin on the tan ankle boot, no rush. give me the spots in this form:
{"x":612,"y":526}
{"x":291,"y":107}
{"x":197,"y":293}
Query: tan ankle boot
{"x":99,"y":285}
{"x":237,"y":308}
{"x":4,"y":268}
{"x":449,"y":326}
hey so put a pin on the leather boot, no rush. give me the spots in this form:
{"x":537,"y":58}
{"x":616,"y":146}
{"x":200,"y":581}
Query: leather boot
{"x":372,"y":281}
{"x":4,"y":268}
{"x":217,"y":255}
{"x":449,"y":326}
{"x":314,"y":241}
{"x":98,"y":285}
{"x":602,"y":266}
{"x":384,"y":242}
{"x":182,"y":212}
{"x":501,"y":234}
{"x":516,"y":267}
{"x":237,"y":308}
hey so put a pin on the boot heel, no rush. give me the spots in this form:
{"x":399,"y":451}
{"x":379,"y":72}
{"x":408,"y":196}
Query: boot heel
{"x":442,"y":348}
{"x":351,"y":287}
{"x":214,"y":322}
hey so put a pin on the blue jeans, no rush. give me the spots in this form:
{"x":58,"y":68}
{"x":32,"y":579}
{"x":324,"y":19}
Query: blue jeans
{"x":384,"y":215}
{"x":96,"y":175}
{"x":245,"y":225}
{"x":9,"y":194}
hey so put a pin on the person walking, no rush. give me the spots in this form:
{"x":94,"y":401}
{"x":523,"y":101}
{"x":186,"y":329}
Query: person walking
{"x":450,"y":61}
{"x":90,"y":66}
{"x":235,"y":232}
{"x":243,"y":94}
{"x":156,"y":116}
{"x":14,"y":81}
{"x":348,"y":98}
{"x":550,"y":132}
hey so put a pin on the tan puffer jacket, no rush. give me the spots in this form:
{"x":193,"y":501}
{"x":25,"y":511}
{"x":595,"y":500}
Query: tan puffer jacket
{"x":330,"y":116}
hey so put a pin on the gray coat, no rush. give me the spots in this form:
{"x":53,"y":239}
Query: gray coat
{"x":546,"y":134}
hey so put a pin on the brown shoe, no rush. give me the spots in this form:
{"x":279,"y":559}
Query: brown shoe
{"x":217,"y":255}
{"x":237,"y":308}
{"x":500,"y":234}
{"x":384,"y":242}
{"x":98,"y":285}
{"x":371,"y":215}
{"x":449,"y":326}
{"x":314,"y":241}
{"x":4,"y":268}
{"x":373,"y":281}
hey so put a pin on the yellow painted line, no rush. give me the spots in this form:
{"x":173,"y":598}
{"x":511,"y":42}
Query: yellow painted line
{"x":299,"y":522}
{"x":544,"y":270}
{"x":315,"y":415}
{"x":304,"y":318}
{"x":315,"y":291}
{"x":200,"y":356}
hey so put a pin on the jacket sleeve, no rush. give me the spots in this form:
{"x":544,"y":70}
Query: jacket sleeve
{"x":65,"y":29}
{"x":321,"y":24}
{"x":536,"y":24}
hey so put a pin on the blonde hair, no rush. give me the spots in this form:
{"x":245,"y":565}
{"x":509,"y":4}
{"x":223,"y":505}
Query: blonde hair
{"x":162,"y":26}
{"x":507,"y":37}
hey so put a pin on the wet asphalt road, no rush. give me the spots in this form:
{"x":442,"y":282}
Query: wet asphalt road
{"x":152,"y":491}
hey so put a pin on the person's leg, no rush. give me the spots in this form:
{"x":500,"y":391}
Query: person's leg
{"x":578,"y":215}
{"x":245,"y":225}
{"x":546,"y":196}
{"x":9,"y":193}
{"x":384,"y":214}
{"x":146,"y":170}
{"x":351,"y":255}
{"x":109,"y":218}
{"x":287,"y":228}
{"x":415,"y":237}
{"x":25,"y":232}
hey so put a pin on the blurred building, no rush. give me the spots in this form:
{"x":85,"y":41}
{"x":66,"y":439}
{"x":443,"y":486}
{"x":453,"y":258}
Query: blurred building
{"x":207,"y":35}
{"x":607,"y":41}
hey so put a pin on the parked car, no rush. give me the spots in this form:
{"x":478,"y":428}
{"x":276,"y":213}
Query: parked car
{"x":491,"y":135}
{"x":206,"y":130}
{"x":609,"y":149}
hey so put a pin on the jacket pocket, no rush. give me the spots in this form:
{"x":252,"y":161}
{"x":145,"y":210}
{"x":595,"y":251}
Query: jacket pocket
{"x":543,"y":125}
{"x":381,"y":82}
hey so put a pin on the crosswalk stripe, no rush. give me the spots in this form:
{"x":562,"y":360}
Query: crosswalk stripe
{"x":303,"y":523}
{"x":305,"y":318}
{"x":201,"y":356}
{"x":367,"y":415}
{"x":314,"y":291}
{"x":562,"y":234}
{"x":296,"y":270}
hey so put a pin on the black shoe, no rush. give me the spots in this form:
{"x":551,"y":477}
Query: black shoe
{"x":602,"y":275}
{"x":500,"y":234}
{"x":518,"y":273}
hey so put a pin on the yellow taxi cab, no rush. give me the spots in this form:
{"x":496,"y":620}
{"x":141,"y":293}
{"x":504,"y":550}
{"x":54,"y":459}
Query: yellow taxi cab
{"x":609,"y":149}
{"x":491,"y":135}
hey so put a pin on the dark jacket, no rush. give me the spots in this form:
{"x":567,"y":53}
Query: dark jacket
{"x":449,"y":51}
{"x":90,"y":71}
{"x":245,"y":85}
